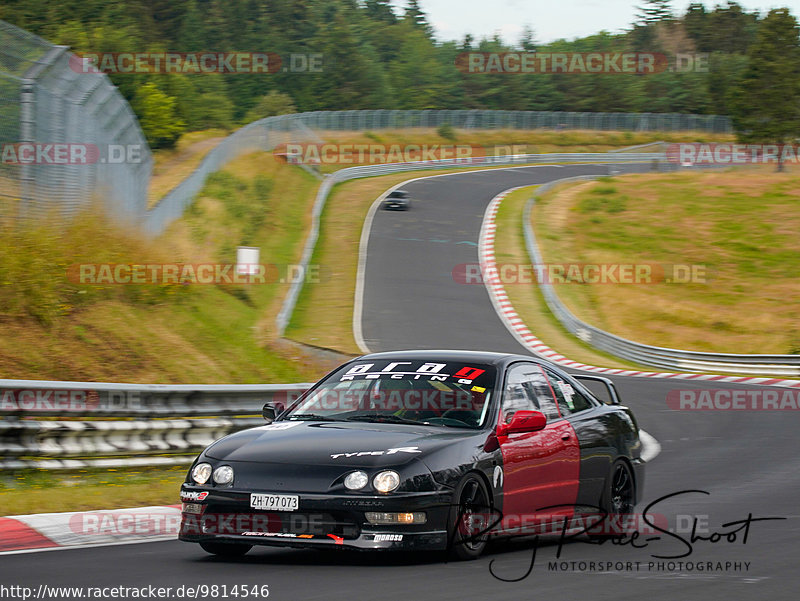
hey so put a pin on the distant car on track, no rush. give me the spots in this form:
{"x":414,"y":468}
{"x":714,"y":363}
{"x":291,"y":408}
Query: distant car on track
{"x":437,"y":450}
{"x":397,"y":200}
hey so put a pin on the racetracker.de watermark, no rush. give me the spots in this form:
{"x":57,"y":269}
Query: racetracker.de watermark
{"x":732,"y":154}
{"x":102,"y":274}
{"x":580,"y":273}
{"x":191,"y":63}
{"x":390,"y":401}
{"x":366,"y":154}
{"x":732,"y":399}
{"x":596,"y":63}
{"x":61,"y":153}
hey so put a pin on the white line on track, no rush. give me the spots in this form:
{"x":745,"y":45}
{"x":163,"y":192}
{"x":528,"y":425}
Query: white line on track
{"x":650,"y":446}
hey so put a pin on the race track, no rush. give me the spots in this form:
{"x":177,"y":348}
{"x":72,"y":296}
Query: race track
{"x":747,"y":461}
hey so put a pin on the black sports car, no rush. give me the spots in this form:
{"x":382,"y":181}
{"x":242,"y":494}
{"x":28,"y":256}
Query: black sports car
{"x":418,"y":449}
{"x":397,"y":200}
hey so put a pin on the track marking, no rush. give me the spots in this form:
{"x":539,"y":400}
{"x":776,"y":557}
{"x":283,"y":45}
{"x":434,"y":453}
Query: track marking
{"x":522,"y":333}
{"x":358,"y":301}
{"x":650,"y":446}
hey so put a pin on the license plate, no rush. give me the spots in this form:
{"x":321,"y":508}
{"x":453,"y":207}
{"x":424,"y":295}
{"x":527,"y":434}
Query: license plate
{"x":274,"y":502}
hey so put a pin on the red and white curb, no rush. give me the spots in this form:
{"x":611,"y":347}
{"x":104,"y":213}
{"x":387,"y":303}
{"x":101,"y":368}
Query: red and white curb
{"x":522,"y":333}
{"x":50,"y":531}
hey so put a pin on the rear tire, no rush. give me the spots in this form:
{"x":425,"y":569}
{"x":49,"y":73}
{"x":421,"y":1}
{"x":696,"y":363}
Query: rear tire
{"x":471,"y":497}
{"x":226,"y":549}
{"x":619,"y":499}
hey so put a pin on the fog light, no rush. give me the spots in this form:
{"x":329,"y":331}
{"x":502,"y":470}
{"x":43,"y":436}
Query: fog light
{"x":356,"y":480}
{"x":201,"y":473}
{"x":387,"y":519}
{"x":223,"y":474}
{"x":386,"y":481}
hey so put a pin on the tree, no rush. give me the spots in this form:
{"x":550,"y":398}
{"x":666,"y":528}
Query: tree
{"x":696,"y":23}
{"x":157,"y":116}
{"x":417,"y":18}
{"x":654,"y":11}
{"x":527,"y":41}
{"x":380,"y":10}
{"x":766,"y":104}
{"x":274,"y":103}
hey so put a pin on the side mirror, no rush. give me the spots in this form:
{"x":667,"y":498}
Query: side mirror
{"x":523,"y":421}
{"x":268,"y":412}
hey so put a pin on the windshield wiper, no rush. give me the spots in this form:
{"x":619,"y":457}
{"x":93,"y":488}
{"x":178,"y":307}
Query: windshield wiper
{"x":395,"y":419}
{"x":311,"y":417}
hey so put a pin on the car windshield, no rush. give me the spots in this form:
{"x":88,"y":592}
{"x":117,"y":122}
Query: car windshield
{"x":432,"y":393}
{"x":398,"y":194}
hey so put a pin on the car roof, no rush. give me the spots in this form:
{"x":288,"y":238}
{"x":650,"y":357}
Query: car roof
{"x":486,"y":357}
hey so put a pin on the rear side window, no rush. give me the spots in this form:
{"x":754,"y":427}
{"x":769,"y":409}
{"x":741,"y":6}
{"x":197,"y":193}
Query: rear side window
{"x":569,"y":400}
{"x":527,"y":389}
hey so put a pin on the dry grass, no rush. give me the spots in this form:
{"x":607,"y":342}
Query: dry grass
{"x":740,"y":225}
{"x":527,"y":299}
{"x":195,"y":334}
{"x":524,"y":141}
{"x":172,"y":166}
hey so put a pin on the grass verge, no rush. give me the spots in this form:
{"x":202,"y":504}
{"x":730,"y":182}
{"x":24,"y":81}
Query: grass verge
{"x":61,"y":330}
{"x":32,"y":492}
{"x":527,"y":299}
{"x":738,"y":226}
{"x":324,"y":312}
{"x":172,"y":166}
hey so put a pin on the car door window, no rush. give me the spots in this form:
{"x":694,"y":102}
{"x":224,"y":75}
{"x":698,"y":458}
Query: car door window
{"x":569,"y":399}
{"x":527,"y":389}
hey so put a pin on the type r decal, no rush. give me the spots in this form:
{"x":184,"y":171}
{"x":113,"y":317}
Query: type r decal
{"x":387,"y":452}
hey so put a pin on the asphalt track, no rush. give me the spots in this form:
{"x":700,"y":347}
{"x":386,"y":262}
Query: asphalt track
{"x":746,"y":461}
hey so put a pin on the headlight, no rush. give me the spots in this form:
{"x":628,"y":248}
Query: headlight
{"x":386,"y":481}
{"x":223,"y":474}
{"x":201,"y":473}
{"x":356,"y":480}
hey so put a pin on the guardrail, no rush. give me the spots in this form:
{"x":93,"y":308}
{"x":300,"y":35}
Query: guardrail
{"x":665,"y":358}
{"x":350,"y":173}
{"x":265,"y":134}
{"x":73,"y":425}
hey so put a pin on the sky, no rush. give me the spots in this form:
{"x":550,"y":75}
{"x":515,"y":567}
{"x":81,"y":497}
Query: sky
{"x":550,"y":20}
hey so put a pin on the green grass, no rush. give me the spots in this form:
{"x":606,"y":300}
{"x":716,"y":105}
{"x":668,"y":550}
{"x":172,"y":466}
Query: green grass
{"x":32,"y":491}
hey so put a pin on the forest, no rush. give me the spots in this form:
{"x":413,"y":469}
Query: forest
{"x":372,"y":55}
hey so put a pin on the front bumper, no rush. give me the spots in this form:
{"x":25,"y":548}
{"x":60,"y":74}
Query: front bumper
{"x":320,"y":521}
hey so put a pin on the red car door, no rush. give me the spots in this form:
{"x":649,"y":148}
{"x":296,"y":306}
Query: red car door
{"x":540,"y":469}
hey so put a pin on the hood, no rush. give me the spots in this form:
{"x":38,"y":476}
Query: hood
{"x":329,"y":443}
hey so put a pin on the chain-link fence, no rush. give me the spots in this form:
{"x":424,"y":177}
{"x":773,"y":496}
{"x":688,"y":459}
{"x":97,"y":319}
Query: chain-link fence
{"x":268,"y":133}
{"x":55,"y":113}
{"x":481,"y":119}
{"x":68,"y":135}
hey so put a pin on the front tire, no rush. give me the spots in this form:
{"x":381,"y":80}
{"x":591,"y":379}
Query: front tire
{"x":226,"y":549}
{"x":471,"y":497}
